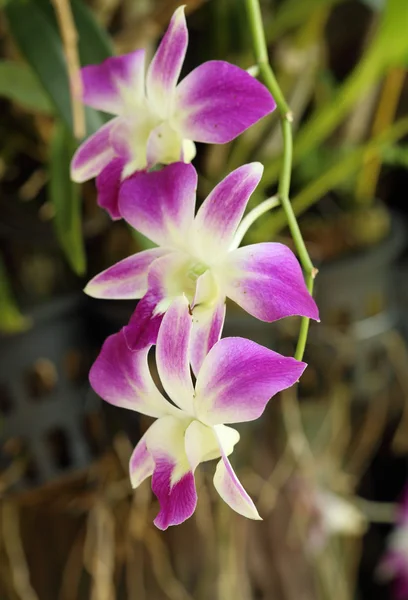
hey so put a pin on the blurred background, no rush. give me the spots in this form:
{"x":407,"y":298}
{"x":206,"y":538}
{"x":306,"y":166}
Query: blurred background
{"x":327,"y":462}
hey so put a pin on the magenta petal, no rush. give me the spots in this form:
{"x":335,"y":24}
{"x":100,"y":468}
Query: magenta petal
{"x":267,"y":281}
{"x":177,"y":501}
{"x":237,"y":379}
{"x":143,"y":327}
{"x":172,"y":354}
{"x":125,"y":280}
{"x":102,"y":83}
{"x":220,"y":214}
{"x":218,"y":101}
{"x":108,"y":185}
{"x":93,"y":154}
{"x":122,"y":378}
{"x":141,"y":464}
{"x":164,"y":70}
{"x":160,"y":204}
{"x":207,"y":328}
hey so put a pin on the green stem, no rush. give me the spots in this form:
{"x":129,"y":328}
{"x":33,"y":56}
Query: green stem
{"x":261,"y":56}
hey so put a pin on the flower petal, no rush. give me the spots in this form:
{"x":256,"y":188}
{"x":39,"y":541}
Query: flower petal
{"x":93,"y":154}
{"x":230,"y":488}
{"x":125,"y":280}
{"x":172,"y":354}
{"x":164,"y":146}
{"x":173,"y":479}
{"x":107,"y":86}
{"x":141,"y":464}
{"x":219,"y":215}
{"x":143,"y":327}
{"x":164,"y":70}
{"x":122,"y":378}
{"x":108,"y":185}
{"x":237,"y":379}
{"x":207,"y":327}
{"x":202,"y":443}
{"x":218,"y":101}
{"x":267,"y":281}
{"x":160,"y":204}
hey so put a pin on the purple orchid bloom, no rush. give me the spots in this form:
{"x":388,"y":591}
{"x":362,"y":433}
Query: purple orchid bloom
{"x":197,"y":256}
{"x":234,"y":384}
{"x":157,"y":120}
{"x":394,"y":564}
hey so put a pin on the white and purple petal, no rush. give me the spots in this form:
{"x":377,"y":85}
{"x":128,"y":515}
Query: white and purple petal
{"x":160,"y":204}
{"x":127,"y":279}
{"x":172,"y":354}
{"x":141,"y":464}
{"x":104,"y":85}
{"x":217,"y":101}
{"x":122,"y":378}
{"x":143,"y":327}
{"x":94,"y":154}
{"x":208,"y":322}
{"x":108,"y":184}
{"x":266,"y":280}
{"x":229,"y":487}
{"x":164,"y":70}
{"x":219,"y":215}
{"x":237,"y":379}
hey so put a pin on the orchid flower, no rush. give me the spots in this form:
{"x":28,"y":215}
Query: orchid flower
{"x":394,"y":565}
{"x":158,"y":120}
{"x":234,"y":384}
{"x":197,"y":257}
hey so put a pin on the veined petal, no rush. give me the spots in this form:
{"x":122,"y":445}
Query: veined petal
{"x":237,"y":379}
{"x":164,"y":70}
{"x":172,"y":354}
{"x":109,"y":85}
{"x":141,"y":464}
{"x":164,"y":146}
{"x":217,"y":101}
{"x":161,"y":204}
{"x":219,"y":215}
{"x":93,"y":154}
{"x":208,"y":322}
{"x":108,"y":185}
{"x":267,"y":281}
{"x":143,"y":327}
{"x":201,"y":442}
{"x":230,"y":488}
{"x":173,"y":479}
{"x":125,"y":280}
{"x":122,"y":378}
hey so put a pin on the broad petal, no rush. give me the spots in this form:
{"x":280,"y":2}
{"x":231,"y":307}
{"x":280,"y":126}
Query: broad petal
{"x":172,"y":354}
{"x":107,"y":85}
{"x":160,"y":204}
{"x":93,"y":154}
{"x":125,"y":280}
{"x":165,"y":67}
{"x":108,"y":184}
{"x":141,"y":464}
{"x":230,"y":488}
{"x":237,"y":379}
{"x":267,"y":281}
{"x":217,"y":101}
{"x":207,"y":327}
{"x":173,"y":479}
{"x":219,"y":215}
{"x":122,"y":378}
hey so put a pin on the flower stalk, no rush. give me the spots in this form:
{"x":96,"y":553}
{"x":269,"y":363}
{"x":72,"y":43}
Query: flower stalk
{"x":265,"y":69}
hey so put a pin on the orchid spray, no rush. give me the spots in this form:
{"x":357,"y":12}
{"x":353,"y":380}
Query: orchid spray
{"x":183,"y":282}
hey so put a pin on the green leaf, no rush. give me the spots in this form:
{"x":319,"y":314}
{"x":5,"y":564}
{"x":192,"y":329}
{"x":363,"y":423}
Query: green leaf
{"x":65,"y":198}
{"x":11,"y":319}
{"x":34,"y":28}
{"x":19,"y":84}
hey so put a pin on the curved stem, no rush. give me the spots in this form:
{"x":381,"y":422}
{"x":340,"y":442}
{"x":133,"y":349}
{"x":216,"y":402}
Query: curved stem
{"x":261,"y":56}
{"x":251,"y":217}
